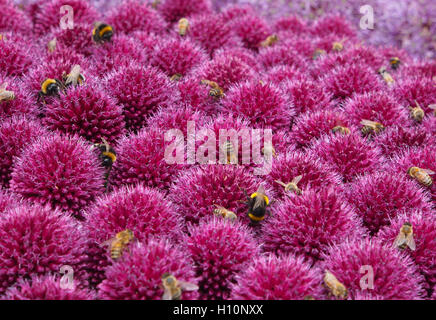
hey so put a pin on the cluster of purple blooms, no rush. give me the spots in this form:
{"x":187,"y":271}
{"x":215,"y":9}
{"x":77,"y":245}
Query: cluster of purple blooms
{"x":300,"y":78}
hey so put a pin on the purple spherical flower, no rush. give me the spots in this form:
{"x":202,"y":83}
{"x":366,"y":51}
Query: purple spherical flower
{"x":395,"y":139}
{"x":138,"y":275}
{"x":78,"y":39}
{"x":312,"y":125}
{"x":349,"y":155}
{"x":278,"y":278}
{"x":281,"y":74}
{"x":211,"y":32}
{"x":88,"y":111}
{"x":310,"y":223}
{"x":380,"y":196}
{"x":424,"y":235}
{"x":173,"y":10}
{"x":252,"y":29}
{"x":394,"y":275}
{"x":376,"y":106}
{"x":134,"y":15}
{"x":220,"y":250}
{"x":142,"y":158}
{"x":36,"y":240}
{"x":413,"y":89}
{"x":247,"y":56}
{"x":15,"y":59}
{"x":263,"y":104}
{"x":287,"y":166}
{"x":333,"y":25}
{"x":48,"y":15}
{"x":23,"y":102}
{"x":148,"y":90}
{"x":234,"y":11}
{"x":13,"y":19}
{"x":281,"y":54}
{"x":196,"y":191}
{"x":429,"y":125}
{"x":307,"y":95}
{"x":45,"y":288}
{"x":62,"y":171}
{"x":197,"y":95}
{"x":15,"y":134}
{"x":292,"y":24}
{"x":178,"y":57}
{"x":225,"y":71}
{"x":7,"y":201}
{"x":344,"y":81}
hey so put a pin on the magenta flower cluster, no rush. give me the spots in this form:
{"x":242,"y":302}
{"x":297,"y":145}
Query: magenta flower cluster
{"x":85,"y":181}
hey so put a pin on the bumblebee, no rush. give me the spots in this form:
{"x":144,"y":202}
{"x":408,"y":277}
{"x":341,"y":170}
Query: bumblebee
{"x":107,"y":156}
{"x":74,"y":77}
{"x":102,"y":32}
{"x":50,"y":87}
{"x":395,"y":62}
{"x":257,"y":205}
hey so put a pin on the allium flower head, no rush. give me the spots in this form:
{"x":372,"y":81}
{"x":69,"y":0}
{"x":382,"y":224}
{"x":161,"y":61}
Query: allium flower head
{"x":349,"y":155}
{"x":333,"y":24}
{"x":424,"y":235}
{"x":178,"y":56}
{"x":134,"y":15}
{"x":287,"y":166}
{"x":247,"y":56}
{"x":88,"y":111}
{"x":15,"y":59}
{"x":395,"y":139}
{"x":13,"y":19}
{"x":7,"y":201}
{"x":173,"y":10}
{"x":234,"y":11}
{"x":220,"y":250}
{"x":281,"y":55}
{"x":45,"y":288}
{"x":395,"y":277}
{"x":15,"y":134}
{"x":78,"y":39}
{"x":278,"y":278}
{"x":312,"y":125}
{"x":64,"y":172}
{"x":197,"y":96}
{"x":226,"y":70}
{"x":142,"y":210}
{"x":148,"y":89}
{"x":48,"y":15}
{"x":307,"y":95}
{"x":36,"y":240}
{"x":424,"y":68}
{"x":380,"y":196}
{"x":344,"y":81}
{"x":280,"y":74}
{"x":138,"y":275}
{"x":263,"y":104}
{"x":252,"y":29}
{"x":376,"y":106}
{"x":309,"y":223}
{"x":422,"y":157}
{"x":211,"y":32}
{"x":196,"y":191}
{"x":292,"y":24}
{"x":141,"y":158}
{"x":416,"y":89}
{"x":429,"y":125}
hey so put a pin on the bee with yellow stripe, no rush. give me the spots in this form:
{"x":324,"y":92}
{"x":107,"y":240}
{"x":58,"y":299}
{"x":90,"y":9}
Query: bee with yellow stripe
{"x":102,"y":32}
{"x":107,"y":156}
{"x":183,"y":26}
{"x":257,"y":205}
{"x":371,"y":127}
{"x":423,"y":176}
{"x":405,"y":237}
{"x":395,"y":62}
{"x":50,"y":87}
{"x":119,"y":243}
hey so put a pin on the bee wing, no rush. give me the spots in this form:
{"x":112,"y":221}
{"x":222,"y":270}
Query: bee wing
{"x":411,"y":243}
{"x":3,"y":86}
{"x":297,"y":179}
{"x":400,"y":240}
{"x":259,"y":201}
{"x":367,"y":123}
{"x":432,"y":106}
{"x":429,"y":171}
{"x":107,"y":242}
{"x":167,"y":294}
{"x":73,"y":75}
{"x":187,"y":286}
{"x":280,"y":183}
